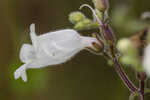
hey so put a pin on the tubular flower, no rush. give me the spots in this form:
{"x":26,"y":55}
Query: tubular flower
{"x":51,"y":49}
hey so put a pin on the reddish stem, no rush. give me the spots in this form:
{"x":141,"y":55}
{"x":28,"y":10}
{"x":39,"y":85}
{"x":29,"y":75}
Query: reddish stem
{"x":124,"y":77}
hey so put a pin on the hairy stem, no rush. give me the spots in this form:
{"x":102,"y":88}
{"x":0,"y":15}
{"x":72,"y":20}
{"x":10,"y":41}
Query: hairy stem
{"x":124,"y":77}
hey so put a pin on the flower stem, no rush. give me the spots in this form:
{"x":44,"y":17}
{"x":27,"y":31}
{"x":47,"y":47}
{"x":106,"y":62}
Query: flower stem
{"x":142,"y":77}
{"x":124,"y":77}
{"x":141,"y":97}
{"x":142,"y":87}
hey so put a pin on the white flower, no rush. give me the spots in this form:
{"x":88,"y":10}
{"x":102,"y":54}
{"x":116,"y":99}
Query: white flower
{"x":146,"y":60}
{"x":51,"y":49}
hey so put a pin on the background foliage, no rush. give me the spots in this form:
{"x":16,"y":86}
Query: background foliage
{"x":86,"y":76}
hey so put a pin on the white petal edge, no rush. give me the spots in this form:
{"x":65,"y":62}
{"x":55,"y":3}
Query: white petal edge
{"x":27,"y":53}
{"x":33,"y":35}
{"x":21,"y":72}
{"x":32,"y":27}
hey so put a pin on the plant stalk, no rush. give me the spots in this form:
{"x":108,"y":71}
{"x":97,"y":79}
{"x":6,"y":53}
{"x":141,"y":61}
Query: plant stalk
{"x":142,"y":87}
{"x":124,"y":77}
{"x":142,"y":77}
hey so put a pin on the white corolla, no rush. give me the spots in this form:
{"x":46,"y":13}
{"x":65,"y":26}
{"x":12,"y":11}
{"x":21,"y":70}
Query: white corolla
{"x":51,"y":49}
{"x":146,"y":60}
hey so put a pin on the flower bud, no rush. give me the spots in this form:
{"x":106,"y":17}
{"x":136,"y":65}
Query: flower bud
{"x":99,"y":14}
{"x":108,"y":34}
{"x":101,"y":5}
{"x":76,"y":17}
{"x":84,"y":24}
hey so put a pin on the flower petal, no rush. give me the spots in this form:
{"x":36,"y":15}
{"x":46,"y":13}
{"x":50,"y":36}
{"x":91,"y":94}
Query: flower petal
{"x":67,"y":38}
{"x":33,"y":36}
{"x":146,"y":60}
{"x":59,"y":43}
{"x":21,"y":72}
{"x":27,"y":53}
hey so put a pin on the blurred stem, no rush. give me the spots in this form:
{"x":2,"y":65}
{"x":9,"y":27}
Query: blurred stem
{"x":142,"y":77}
{"x":142,"y":87}
{"x":123,"y":76}
{"x":142,"y":97}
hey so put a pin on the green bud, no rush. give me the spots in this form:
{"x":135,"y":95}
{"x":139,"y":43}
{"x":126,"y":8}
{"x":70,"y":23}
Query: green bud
{"x":86,"y":24}
{"x":99,"y":14}
{"x":101,"y":5}
{"x":76,"y":17}
{"x":83,"y":24}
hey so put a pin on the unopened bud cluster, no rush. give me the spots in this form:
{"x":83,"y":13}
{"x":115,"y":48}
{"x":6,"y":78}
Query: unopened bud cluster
{"x":81,"y":22}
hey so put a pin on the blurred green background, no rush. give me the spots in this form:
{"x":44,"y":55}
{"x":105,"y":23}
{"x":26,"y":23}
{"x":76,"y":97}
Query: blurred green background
{"x":86,"y":76}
